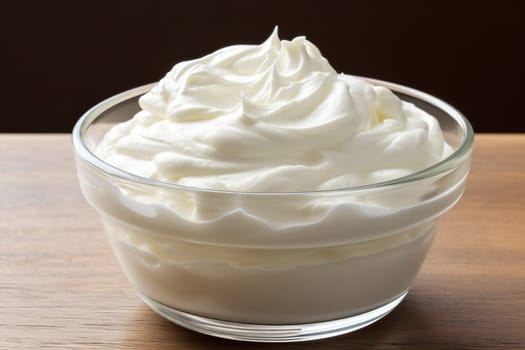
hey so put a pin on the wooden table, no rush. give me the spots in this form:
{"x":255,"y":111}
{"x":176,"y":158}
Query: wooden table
{"x":61,"y":288}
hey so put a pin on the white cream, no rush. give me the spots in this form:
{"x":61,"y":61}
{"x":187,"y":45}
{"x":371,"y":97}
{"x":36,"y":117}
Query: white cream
{"x":271,"y":118}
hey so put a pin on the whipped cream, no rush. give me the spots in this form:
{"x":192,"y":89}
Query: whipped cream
{"x":269,"y":118}
{"x":261,"y":119}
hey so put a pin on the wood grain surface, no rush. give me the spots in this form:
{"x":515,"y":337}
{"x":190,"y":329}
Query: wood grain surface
{"x":61,"y":287}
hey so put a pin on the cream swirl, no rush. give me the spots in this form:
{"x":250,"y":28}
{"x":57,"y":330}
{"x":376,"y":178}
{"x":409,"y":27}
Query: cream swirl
{"x":272,"y":117}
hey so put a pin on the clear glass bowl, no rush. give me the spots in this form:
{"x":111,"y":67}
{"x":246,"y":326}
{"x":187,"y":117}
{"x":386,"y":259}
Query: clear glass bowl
{"x":214,"y":262}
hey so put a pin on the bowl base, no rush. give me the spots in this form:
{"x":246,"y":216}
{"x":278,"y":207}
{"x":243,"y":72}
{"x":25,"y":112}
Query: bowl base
{"x":272,"y":333}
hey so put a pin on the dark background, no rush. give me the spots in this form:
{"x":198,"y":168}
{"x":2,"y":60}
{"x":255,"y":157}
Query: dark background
{"x":60,"y":58}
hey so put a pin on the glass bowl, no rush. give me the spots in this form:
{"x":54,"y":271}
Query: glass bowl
{"x":271,"y":267}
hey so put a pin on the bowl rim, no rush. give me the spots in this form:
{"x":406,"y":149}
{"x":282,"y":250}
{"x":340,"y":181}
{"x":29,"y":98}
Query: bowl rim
{"x":445,"y":165}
